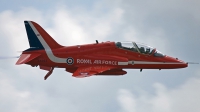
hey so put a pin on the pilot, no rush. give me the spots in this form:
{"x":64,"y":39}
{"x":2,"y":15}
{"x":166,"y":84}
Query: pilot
{"x":147,"y":51}
{"x":119,"y":44}
{"x":142,"y":50}
{"x":134,"y":49}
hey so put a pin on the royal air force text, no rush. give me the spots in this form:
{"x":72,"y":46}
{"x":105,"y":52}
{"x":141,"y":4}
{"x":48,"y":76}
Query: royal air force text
{"x":88,"y":61}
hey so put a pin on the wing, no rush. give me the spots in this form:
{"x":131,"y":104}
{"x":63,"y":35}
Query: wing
{"x":86,"y":71}
{"x":113,"y":72}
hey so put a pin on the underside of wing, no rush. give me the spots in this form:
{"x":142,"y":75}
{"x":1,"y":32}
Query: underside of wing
{"x":86,"y":71}
{"x":113,"y":72}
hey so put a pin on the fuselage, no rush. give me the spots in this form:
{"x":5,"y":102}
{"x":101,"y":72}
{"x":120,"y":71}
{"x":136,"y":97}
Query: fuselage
{"x":105,"y":53}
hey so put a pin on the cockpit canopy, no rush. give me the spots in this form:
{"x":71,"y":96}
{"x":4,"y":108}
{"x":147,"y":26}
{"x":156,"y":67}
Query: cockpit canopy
{"x":138,"y":47}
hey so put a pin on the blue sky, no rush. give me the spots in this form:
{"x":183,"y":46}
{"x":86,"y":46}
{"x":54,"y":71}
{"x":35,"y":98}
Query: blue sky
{"x":170,"y":26}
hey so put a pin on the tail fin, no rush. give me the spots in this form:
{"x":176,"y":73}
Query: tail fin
{"x":38,"y":37}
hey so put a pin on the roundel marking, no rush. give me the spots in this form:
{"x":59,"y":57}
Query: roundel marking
{"x":70,"y":60}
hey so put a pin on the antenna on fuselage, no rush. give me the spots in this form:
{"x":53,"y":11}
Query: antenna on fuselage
{"x":97,"y":41}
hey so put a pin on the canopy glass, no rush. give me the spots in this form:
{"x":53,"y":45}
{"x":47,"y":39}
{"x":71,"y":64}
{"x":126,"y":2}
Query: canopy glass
{"x":138,"y":47}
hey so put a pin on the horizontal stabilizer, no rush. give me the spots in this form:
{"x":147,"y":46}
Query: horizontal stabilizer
{"x":24,"y":58}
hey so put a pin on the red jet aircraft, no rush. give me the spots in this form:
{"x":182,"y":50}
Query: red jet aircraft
{"x":106,"y":58}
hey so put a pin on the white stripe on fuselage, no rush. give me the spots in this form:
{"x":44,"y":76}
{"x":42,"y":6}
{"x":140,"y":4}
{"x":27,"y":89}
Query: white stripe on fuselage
{"x":151,"y":63}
